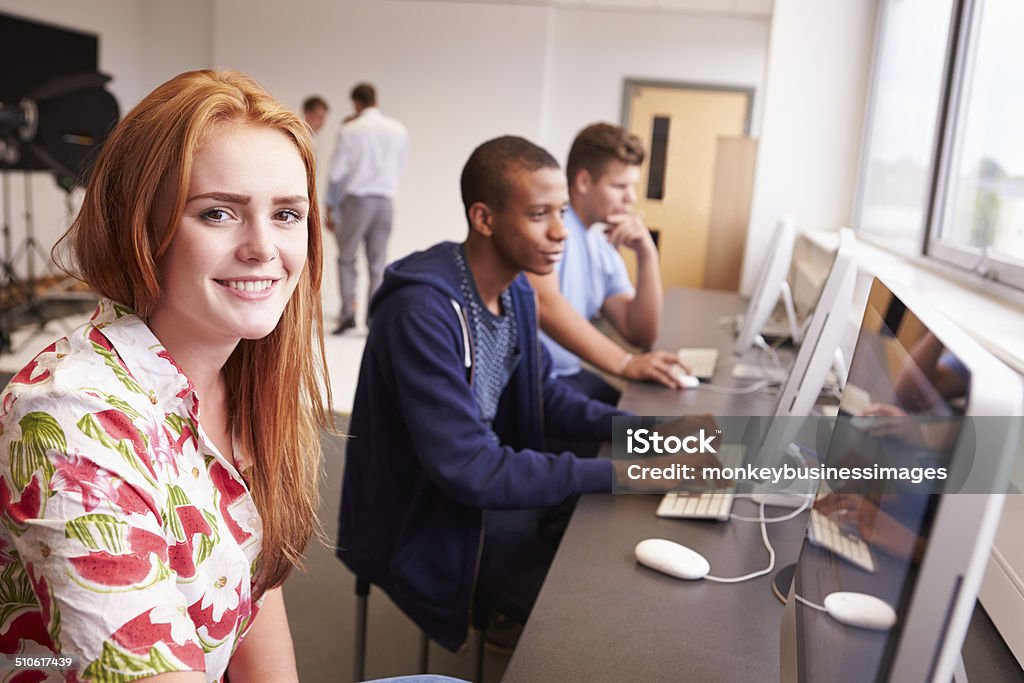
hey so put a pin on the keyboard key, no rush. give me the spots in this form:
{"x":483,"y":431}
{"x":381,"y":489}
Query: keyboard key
{"x":715,"y":505}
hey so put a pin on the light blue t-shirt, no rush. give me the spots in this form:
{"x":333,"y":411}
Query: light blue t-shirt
{"x":591,"y":270}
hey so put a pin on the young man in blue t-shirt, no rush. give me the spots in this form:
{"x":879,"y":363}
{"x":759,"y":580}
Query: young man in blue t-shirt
{"x":602,"y":170}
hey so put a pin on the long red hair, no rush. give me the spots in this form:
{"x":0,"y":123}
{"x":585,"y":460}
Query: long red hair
{"x":279,"y":396}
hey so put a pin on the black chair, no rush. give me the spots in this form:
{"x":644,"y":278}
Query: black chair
{"x":478,"y":622}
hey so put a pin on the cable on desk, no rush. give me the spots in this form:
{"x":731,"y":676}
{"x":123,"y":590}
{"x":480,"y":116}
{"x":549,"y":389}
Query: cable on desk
{"x":805,"y":601}
{"x":769,"y":350}
{"x":749,"y":389}
{"x":795,"y":450}
{"x":760,"y":384}
{"x":782,"y":518}
{"x":752,"y":575}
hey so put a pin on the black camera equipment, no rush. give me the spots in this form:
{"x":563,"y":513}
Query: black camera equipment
{"x":55,"y":114}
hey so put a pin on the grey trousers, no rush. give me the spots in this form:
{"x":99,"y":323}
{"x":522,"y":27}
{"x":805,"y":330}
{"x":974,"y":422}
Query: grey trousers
{"x":365,"y":220}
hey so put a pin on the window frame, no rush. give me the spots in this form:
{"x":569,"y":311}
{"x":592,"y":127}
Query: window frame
{"x":977,"y":263}
{"x":982,"y":262}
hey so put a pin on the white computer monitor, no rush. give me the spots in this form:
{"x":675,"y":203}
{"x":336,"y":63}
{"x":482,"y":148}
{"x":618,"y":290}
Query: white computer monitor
{"x":771,"y":284}
{"x":930,"y":545}
{"x":821,"y":342}
{"x":817,"y":355}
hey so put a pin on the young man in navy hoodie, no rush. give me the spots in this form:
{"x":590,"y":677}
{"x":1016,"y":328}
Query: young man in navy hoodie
{"x":446,"y":479}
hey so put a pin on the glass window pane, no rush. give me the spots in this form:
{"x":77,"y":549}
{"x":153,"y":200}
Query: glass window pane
{"x":659,"y":155}
{"x":904,"y":121}
{"x":986,"y":184}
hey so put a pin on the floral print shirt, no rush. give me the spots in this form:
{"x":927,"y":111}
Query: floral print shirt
{"x":127,"y":540}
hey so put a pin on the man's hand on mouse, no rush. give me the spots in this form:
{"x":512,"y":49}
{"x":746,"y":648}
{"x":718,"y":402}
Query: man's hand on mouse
{"x":656,"y":366}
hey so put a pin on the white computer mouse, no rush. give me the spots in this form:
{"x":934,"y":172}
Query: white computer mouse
{"x":860,"y":610}
{"x":672,"y":559}
{"x":688,"y":381}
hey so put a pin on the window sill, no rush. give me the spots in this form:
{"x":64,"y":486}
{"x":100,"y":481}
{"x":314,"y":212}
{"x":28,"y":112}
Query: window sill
{"x":990,"y":312}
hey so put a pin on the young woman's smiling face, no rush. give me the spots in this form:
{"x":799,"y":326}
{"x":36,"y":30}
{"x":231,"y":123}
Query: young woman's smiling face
{"x":241,"y":244}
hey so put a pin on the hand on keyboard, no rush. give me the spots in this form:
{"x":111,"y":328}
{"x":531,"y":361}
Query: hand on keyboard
{"x":655,"y":366}
{"x":698,"y":425}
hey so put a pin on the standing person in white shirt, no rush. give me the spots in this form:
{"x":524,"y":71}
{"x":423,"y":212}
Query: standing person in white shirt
{"x":364,"y":172}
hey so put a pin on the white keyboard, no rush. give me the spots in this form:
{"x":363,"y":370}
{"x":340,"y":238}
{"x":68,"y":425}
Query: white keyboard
{"x":824,"y":532}
{"x":715,"y":505}
{"x":702,"y":362}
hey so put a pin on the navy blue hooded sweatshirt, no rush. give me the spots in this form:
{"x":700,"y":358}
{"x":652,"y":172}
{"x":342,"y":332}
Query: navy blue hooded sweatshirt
{"x":422,"y":466}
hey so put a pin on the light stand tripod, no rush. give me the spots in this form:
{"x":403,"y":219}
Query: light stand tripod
{"x":25,"y":296}
{"x":7,"y":272}
{"x":54,"y":128}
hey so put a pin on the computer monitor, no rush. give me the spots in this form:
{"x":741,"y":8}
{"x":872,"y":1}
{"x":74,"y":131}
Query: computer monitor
{"x":771,"y":284}
{"x":819,"y":352}
{"x":929,"y":544}
{"x":821,"y":343}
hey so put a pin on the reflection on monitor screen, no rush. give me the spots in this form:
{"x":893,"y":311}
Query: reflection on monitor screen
{"x":918,"y":388}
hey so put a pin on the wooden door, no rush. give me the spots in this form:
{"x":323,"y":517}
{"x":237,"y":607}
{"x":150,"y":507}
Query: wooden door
{"x":680,"y":126}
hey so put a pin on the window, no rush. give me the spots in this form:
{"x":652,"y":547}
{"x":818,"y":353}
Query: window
{"x":901,"y":131}
{"x":943,"y":169}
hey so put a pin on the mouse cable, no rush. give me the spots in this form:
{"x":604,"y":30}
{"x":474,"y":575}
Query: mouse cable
{"x":782,"y":518}
{"x":753,"y":575}
{"x":805,"y":601}
{"x":764,"y":535}
{"x":769,"y":351}
{"x":749,"y":389}
{"x":793,"y":450}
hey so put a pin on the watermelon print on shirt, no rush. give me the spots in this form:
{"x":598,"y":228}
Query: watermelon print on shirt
{"x":127,"y":539}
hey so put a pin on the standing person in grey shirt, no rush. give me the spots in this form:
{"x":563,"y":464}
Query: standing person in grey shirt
{"x":363,"y":178}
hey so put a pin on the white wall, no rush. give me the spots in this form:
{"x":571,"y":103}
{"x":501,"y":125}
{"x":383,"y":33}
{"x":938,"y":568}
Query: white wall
{"x":177,"y":37}
{"x":460,"y":73}
{"x":593,"y":52}
{"x":455,"y":73}
{"x":816,"y":83}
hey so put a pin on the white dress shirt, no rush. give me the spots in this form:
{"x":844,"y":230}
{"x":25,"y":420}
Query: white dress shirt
{"x":368,"y":158}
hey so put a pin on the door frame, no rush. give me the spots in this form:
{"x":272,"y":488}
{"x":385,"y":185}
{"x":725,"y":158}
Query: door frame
{"x":628,"y":83}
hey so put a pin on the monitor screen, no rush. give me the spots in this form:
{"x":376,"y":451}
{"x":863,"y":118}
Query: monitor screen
{"x":897,"y":541}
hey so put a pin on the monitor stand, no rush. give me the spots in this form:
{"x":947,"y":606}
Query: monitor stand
{"x":960,"y":673}
{"x":795,"y":331}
